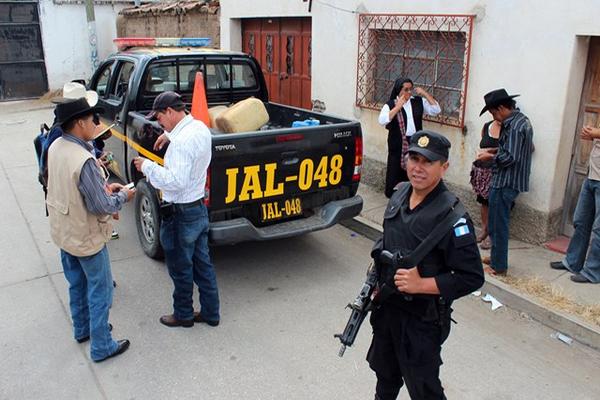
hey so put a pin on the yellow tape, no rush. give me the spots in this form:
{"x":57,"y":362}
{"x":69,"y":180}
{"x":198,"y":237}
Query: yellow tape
{"x":146,"y":153}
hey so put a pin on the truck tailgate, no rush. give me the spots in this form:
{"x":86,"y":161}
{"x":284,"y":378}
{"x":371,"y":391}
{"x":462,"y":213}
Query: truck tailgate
{"x":269,"y":176}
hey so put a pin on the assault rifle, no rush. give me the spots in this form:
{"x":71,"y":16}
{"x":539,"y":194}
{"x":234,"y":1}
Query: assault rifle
{"x":365,"y":302}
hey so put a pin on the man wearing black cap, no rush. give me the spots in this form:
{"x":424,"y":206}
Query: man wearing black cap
{"x":425,"y":224}
{"x":80,"y":204}
{"x":184,"y":227}
{"x":511,"y":170}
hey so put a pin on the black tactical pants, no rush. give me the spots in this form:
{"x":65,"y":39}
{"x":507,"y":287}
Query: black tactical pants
{"x":406,"y":349}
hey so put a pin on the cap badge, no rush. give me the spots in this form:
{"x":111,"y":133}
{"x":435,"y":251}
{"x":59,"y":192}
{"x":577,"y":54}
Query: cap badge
{"x":423,"y":141}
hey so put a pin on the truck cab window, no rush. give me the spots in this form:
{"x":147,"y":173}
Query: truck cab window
{"x":101,"y":84}
{"x":123,"y":78}
{"x":243,"y":76}
{"x":217,"y":76}
{"x":161,"y":77}
{"x":187,"y":75}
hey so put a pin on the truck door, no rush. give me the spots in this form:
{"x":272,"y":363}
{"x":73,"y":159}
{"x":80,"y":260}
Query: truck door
{"x":114,"y":104}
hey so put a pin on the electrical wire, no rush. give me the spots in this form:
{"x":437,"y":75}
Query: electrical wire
{"x":335,"y":7}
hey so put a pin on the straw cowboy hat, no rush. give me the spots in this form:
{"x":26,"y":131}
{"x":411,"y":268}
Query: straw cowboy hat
{"x":74,"y":90}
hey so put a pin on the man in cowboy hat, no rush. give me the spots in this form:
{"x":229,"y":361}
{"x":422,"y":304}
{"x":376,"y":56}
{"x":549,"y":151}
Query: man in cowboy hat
{"x":74,"y":90}
{"x":79,"y":209}
{"x":512,"y":167}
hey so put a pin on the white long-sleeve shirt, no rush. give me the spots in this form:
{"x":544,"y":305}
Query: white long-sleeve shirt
{"x":429,"y":109}
{"x":183,"y":176}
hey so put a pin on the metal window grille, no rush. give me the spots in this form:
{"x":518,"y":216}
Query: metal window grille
{"x":432,"y":50}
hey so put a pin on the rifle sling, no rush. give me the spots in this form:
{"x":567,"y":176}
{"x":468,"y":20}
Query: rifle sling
{"x":418,"y":254}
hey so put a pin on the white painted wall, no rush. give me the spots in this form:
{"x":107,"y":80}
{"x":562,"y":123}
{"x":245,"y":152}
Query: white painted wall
{"x":532,"y":47}
{"x":65,"y":39}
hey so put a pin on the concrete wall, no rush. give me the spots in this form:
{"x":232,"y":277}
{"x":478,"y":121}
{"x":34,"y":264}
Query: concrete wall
{"x":65,"y":38}
{"x":536,"y":48}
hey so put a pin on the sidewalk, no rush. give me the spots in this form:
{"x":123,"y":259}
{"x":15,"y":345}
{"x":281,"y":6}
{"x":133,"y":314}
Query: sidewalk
{"x":529,"y":280}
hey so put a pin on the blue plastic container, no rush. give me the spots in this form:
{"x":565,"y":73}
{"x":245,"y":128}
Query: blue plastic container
{"x":306,"y":122}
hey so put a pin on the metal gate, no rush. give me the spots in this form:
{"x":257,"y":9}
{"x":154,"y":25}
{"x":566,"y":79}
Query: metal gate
{"x":22,"y":68}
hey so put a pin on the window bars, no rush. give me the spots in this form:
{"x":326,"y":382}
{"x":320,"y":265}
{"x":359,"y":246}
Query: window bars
{"x":432,"y":50}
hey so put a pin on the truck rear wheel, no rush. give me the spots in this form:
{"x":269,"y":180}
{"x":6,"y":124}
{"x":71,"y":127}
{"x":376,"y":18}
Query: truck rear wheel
{"x":147,"y":220}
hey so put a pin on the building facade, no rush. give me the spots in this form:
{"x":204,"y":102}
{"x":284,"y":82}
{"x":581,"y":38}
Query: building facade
{"x":45,"y":43}
{"x":546,"y":51}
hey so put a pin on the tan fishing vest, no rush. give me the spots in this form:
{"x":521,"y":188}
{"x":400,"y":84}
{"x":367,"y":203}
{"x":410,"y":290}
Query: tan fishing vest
{"x":73,"y":228}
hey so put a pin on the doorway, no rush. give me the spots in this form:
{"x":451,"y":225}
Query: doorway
{"x":283,"y":47}
{"x":589,"y":114}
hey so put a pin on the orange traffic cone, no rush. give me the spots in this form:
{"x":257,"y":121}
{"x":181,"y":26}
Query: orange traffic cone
{"x":199,"y":103}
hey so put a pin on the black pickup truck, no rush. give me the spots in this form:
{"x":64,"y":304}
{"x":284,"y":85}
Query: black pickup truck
{"x":272,"y":183}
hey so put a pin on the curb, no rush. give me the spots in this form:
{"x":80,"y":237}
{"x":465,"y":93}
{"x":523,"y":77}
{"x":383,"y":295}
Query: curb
{"x":569,"y":325}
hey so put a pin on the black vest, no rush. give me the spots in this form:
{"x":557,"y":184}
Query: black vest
{"x":404,"y":230}
{"x":394,"y":136}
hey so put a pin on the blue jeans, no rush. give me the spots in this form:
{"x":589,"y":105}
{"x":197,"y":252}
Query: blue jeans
{"x":587,"y":224}
{"x":501,"y":200}
{"x":184,"y":238}
{"x":90,"y":297}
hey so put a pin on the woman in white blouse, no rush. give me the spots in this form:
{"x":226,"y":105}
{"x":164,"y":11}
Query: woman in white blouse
{"x":402,"y":116}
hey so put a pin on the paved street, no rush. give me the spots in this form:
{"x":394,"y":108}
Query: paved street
{"x":282,"y":302}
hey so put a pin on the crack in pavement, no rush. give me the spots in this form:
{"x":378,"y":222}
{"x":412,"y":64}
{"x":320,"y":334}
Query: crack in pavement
{"x":35,"y":278}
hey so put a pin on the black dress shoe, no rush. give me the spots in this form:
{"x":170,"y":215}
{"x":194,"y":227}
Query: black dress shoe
{"x":580,"y":279}
{"x":198,"y":318}
{"x":172,"y":322}
{"x":557,"y":265}
{"x":123,"y":346}
{"x":86,"y":338}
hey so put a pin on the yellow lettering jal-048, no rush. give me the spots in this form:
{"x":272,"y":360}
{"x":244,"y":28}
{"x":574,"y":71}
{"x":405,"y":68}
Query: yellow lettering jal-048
{"x":328,"y":172}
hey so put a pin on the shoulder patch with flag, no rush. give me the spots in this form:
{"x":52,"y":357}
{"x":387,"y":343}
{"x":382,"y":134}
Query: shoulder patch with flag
{"x":461,"y":230}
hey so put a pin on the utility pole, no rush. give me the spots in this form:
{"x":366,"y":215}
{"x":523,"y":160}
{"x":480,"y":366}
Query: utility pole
{"x":309,"y":4}
{"x":92,"y":38}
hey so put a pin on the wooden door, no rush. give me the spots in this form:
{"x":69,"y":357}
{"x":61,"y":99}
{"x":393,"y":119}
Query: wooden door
{"x":589,"y":114}
{"x":283,"y":48}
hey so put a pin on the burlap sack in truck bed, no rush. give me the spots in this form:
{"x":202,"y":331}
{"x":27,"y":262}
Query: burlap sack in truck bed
{"x":244,"y":116}
{"x":214,"y":112}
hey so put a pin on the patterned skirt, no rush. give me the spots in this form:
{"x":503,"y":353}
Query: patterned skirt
{"x":481,"y":178}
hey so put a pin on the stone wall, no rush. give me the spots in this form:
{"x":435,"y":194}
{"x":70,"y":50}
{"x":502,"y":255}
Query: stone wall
{"x":172,"y":19}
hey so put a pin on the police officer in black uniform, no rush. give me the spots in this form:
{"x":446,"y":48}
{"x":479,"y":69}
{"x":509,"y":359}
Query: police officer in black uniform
{"x":412,"y":322}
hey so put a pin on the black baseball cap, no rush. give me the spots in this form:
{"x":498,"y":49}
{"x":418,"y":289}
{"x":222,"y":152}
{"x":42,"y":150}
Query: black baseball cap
{"x":429,"y":144}
{"x":164,"y":101}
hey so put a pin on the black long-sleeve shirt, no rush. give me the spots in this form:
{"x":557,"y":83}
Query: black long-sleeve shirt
{"x":454,"y":263}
